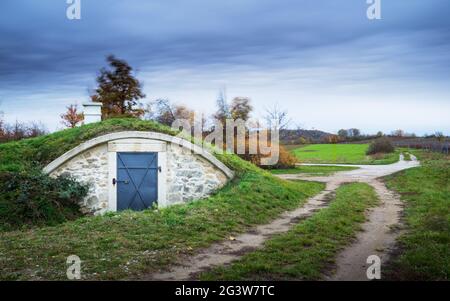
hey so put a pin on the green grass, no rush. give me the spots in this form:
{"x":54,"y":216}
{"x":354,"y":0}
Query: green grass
{"x":341,"y":154}
{"x":312,"y":170}
{"x":407,"y":156}
{"x":127,"y":244}
{"x":424,"y":252}
{"x":29,"y":198}
{"x":20,"y":155}
{"x":290,"y":147}
{"x":306,"y":251}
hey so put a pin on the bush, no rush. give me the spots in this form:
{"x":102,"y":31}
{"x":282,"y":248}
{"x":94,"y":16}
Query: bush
{"x":286,"y":160}
{"x":380,"y":146}
{"x":33,"y":198}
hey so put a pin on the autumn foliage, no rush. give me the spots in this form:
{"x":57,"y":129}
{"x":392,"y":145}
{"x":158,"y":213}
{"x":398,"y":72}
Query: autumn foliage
{"x":71,"y":118}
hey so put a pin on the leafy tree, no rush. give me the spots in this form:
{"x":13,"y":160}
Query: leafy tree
{"x":241,"y":108}
{"x":166,"y":113}
{"x":380,"y":146}
{"x":354,"y":132}
{"x":333,"y":139}
{"x":343,"y":134}
{"x":118,"y":90}
{"x":71,"y":118}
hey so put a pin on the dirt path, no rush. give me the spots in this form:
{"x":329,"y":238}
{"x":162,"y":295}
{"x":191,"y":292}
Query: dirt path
{"x":376,"y":239}
{"x":228,"y":251}
{"x":380,"y":232}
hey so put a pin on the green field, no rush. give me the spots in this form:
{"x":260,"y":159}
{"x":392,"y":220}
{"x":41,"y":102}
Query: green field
{"x":341,"y":154}
{"x":312,"y":170}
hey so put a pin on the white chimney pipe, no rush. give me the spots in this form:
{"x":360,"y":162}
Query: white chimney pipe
{"x":92,"y":112}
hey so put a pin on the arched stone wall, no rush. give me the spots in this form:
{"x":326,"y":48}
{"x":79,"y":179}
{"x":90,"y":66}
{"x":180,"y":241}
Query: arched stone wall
{"x":187,"y":173}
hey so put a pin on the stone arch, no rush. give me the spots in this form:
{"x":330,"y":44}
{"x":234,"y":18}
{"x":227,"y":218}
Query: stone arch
{"x":186,"y":172}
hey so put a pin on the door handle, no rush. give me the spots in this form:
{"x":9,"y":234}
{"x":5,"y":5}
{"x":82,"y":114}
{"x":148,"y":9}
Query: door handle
{"x":159,"y":168}
{"x":114,"y":181}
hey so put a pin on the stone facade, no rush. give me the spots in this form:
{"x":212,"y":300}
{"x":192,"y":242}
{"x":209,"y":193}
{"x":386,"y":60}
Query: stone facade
{"x":188,"y":176}
{"x":90,"y":167}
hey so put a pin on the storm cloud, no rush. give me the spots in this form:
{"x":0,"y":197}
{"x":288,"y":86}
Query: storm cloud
{"x":323,"y":59}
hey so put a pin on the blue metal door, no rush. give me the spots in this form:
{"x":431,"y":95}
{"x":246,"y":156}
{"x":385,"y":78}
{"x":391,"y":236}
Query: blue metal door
{"x":137,"y":180}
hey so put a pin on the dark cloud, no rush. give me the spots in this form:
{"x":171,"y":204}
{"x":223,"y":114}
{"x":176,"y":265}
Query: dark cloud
{"x":43,"y":53}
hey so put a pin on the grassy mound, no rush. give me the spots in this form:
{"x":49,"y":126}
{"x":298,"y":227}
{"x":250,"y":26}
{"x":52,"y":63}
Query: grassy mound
{"x":27,"y":196}
{"x":126,"y":244}
{"x":24,"y":154}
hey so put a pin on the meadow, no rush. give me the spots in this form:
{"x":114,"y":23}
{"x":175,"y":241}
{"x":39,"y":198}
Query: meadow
{"x":341,"y":154}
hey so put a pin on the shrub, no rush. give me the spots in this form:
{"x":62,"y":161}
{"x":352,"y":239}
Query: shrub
{"x":380,"y":146}
{"x":286,"y":159}
{"x":33,"y":198}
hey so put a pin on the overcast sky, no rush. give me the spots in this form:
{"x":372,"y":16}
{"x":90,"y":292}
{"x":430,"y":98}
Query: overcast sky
{"x":323,"y":60}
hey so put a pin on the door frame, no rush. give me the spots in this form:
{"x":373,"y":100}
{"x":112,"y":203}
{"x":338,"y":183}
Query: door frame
{"x":135,"y":146}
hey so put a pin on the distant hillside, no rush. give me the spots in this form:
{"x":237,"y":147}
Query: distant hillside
{"x":295,"y":136}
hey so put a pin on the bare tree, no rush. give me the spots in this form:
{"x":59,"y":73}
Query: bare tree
{"x":17,"y":131}
{"x":440,"y":136}
{"x":36,"y":129}
{"x":278,"y":115}
{"x":398,"y":133}
{"x":223,"y":110}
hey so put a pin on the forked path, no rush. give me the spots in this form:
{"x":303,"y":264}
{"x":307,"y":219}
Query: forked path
{"x":376,"y":238}
{"x":230,"y":250}
{"x":379,"y":232}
